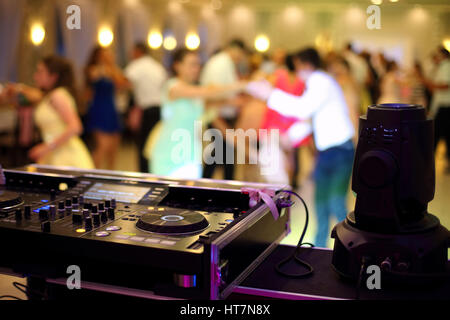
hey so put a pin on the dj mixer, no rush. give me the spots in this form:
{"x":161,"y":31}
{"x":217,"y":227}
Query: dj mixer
{"x":168,"y":238}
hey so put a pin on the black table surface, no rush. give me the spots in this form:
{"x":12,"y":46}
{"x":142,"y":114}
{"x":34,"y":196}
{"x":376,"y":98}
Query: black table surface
{"x":265,"y":282}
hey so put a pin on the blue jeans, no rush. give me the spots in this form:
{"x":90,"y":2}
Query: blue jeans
{"x":332,"y":175}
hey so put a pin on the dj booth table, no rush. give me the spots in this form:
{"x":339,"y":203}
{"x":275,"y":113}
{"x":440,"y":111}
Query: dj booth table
{"x":259,"y":280}
{"x":324,"y":284}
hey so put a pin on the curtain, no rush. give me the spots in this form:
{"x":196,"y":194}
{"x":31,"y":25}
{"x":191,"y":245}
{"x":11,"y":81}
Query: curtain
{"x":11,"y":17}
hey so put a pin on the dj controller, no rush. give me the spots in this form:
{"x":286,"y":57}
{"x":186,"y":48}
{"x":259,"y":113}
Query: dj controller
{"x":133,"y":232}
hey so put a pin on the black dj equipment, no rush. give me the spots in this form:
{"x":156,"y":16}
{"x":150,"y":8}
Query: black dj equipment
{"x":166,"y":238}
{"x":394,"y":179}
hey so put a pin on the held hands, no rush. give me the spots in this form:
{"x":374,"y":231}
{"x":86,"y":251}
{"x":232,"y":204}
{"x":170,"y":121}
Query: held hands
{"x":260,"y":89}
{"x":39,"y":151}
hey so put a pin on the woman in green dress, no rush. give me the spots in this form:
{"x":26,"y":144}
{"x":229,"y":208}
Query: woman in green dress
{"x":177,"y":151}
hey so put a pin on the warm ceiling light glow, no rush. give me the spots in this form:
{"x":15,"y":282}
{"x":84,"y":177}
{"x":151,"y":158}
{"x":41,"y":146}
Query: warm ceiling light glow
{"x":155,"y":39}
{"x":262,"y":43}
{"x":192,"y":41}
{"x":377,"y":2}
{"x":170,"y":43}
{"x":37,"y":34}
{"x":446,"y":44}
{"x":105,"y":36}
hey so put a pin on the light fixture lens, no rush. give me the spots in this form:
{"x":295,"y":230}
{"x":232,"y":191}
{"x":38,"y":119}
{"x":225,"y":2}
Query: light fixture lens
{"x":192,"y":41}
{"x":37,"y":34}
{"x":170,"y":43}
{"x":262,"y":43}
{"x":155,"y":39}
{"x":105,"y":36}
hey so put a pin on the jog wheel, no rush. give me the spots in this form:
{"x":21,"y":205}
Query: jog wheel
{"x":172,"y":221}
{"x":9,"y":200}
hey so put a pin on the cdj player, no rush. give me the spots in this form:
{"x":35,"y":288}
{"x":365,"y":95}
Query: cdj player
{"x":130,"y":232}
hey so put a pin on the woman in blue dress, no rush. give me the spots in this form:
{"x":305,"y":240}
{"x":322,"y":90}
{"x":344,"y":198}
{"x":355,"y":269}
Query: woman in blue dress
{"x":177,"y":150}
{"x":103,"y":78}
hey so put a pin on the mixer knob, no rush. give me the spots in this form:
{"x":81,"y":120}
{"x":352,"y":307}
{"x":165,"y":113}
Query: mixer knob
{"x":107,"y":203}
{"x":27,"y":212}
{"x":80,"y":200}
{"x":52,"y":212}
{"x":94,"y":209}
{"x":111,"y":214}
{"x":87,"y":205}
{"x":68,"y":203}
{"x":75,"y":202}
{"x":61,"y":205}
{"x":104,"y":216}
{"x":101,"y":206}
{"x":86,"y":213}
{"x":113,"y":203}
{"x":96,"y":219}
{"x":43,"y":215}
{"x":52,"y":194}
{"x":88,"y":223}
{"x":77,"y":218}
{"x":18,"y":214}
{"x":68,"y":211}
{"x":45,"y":226}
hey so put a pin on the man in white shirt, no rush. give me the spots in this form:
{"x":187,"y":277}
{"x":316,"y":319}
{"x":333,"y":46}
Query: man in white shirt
{"x":221,"y":69}
{"x":147,"y":77}
{"x":323,"y":102}
{"x":440,"y":103}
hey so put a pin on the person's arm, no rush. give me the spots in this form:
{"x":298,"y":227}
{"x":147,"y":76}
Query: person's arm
{"x":33,"y":95}
{"x":185,"y":90}
{"x":60,"y":102}
{"x":304,"y":106}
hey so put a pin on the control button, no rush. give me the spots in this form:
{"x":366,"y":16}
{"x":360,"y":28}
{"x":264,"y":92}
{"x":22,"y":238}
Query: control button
{"x":152,"y":196}
{"x":111,"y":214}
{"x":152,"y":240}
{"x":168,"y":242}
{"x":52,"y":212}
{"x":86,"y":213}
{"x":45,"y":226}
{"x":96,"y":219}
{"x":121,"y":236}
{"x":125,"y":219}
{"x":18,"y":214}
{"x":80,"y":230}
{"x":138,"y":239}
{"x":132,"y":219}
{"x":88,"y":223}
{"x":149,"y":208}
{"x":161,"y":209}
{"x":103,"y":216}
{"x":27,"y":212}
{"x":156,"y":192}
{"x":77,"y":218}
{"x":43,"y":215}
{"x":229,"y":220}
{"x":102,"y":234}
{"x":159,"y":189}
{"x":113,"y":228}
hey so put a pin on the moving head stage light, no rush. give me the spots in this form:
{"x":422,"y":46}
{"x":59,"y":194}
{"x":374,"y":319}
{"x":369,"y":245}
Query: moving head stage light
{"x":394,"y":179}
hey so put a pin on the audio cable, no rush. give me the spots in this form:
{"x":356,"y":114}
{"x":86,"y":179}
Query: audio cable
{"x":294,"y":255}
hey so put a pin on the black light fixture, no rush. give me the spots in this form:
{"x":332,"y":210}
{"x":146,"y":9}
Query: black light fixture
{"x":394,"y":180}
